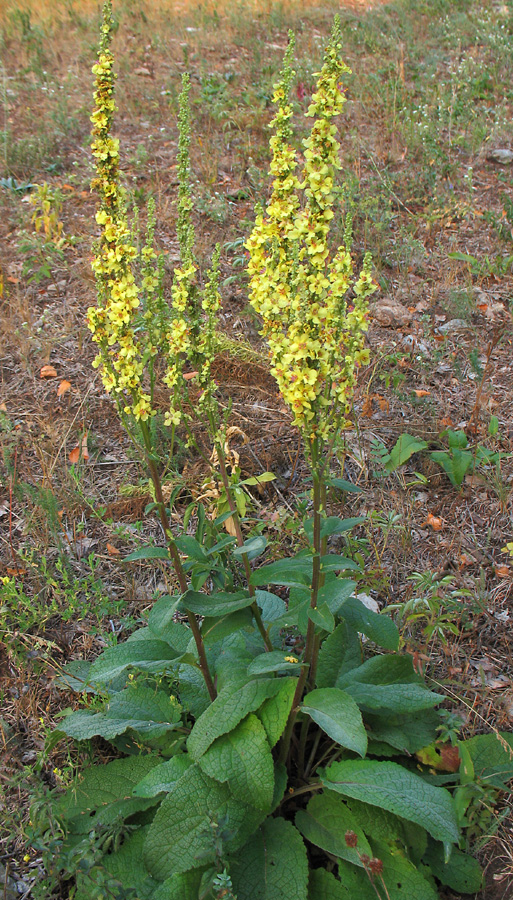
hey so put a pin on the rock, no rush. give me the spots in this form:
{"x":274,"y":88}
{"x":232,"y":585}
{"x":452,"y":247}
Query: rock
{"x":453,"y":326}
{"x":504,"y":157}
{"x":389,"y":313}
{"x":143,"y":72}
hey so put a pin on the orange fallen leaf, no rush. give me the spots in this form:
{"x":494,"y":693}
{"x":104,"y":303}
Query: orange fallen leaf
{"x":68,"y":187}
{"x":79,"y":450}
{"x":434,"y":521}
{"x":384,"y":404}
{"x":12,"y":279}
{"x":63,"y":387}
{"x":502,"y":571}
{"x":48,"y":372}
{"x":421,"y":393}
{"x":188,"y":375}
{"x":446,"y":422}
{"x":14,"y":572}
{"x":482,"y":306}
{"x":3,"y":407}
{"x":367,"y":407}
{"x":112,"y":550}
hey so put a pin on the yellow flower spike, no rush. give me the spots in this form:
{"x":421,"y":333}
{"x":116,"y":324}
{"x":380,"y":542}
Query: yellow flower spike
{"x":298,"y":287}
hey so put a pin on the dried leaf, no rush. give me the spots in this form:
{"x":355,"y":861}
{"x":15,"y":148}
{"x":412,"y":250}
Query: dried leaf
{"x":434,"y":521}
{"x":421,"y":393}
{"x":367,"y":407}
{"x":3,"y":407}
{"x":503,"y":571}
{"x":189,"y":375}
{"x":48,"y":372}
{"x":112,"y":550}
{"x":63,"y":387}
{"x":79,"y":451}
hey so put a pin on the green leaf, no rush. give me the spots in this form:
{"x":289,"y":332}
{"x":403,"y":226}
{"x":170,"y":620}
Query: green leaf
{"x":325,"y":822}
{"x":402,"y":878}
{"x":274,"y":712}
{"x":193,"y":692}
{"x":403,"y":449}
{"x":392,"y":787}
{"x":339,"y":653}
{"x":163,"y":778}
{"x":148,"y":552}
{"x":406,"y":733}
{"x":162,"y":625}
{"x":455,"y":464}
{"x":271,"y":605}
{"x":462,"y":873}
{"x":182,"y":836}
{"x":253,"y":547}
{"x":148,"y":656}
{"x":378,"y":627}
{"x":462,"y":257}
{"x":126,"y":866}
{"x":150,"y":713}
{"x":322,"y":885}
{"x":492,"y":757}
{"x":274,"y":661}
{"x":259,"y":479}
{"x":191,"y":547}
{"x":390,"y":668}
{"x":243,"y":759}
{"x":395,"y":698}
{"x":342,"y":485}
{"x":180,"y":887}
{"x":214,"y":630}
{"x":228,"y":709}
{"x":273,"y":864}
{"x":321,"y":616}
{"x":335,"y":591}
{"x":333,"y":562}
{"x":338,"y":716}
{"x":219,"y":604}
{"x":105,"y":793}
{"x":293,"y":572}
{"x":332,"y":525}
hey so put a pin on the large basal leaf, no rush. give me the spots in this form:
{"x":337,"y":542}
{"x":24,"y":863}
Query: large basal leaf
{"x":462,"y":873}
{"x":394,"y":698}
{"x":338,"y":716}
{"x":274,"y":661}
{"x":126,"y":866}
{"x":227,"y":710}
{"x":189,"y":822}
{"x":104,"y":794}
{"x":150,"y":713}
{"x":335,"y":592}
{"x":406,"y":733}
{"x":492,"y":757}
{"x":322,"y":885}
{"x":243,"y":759}
{"x":162,"y":625}
{"x":390,"y":668}
{"x":273,"y":864}
{"x":193,"y":692}
{"x":148,"y":656}
{"x":339,"y":653}
{"x":392,"y":787}
{"x":405,"y":446}
{"x":220,"y":604}
{"x":274,"y":712}
{"x":402,"y":879}
{"x":378,"y":627}
{"x":180,"y":887}
{"x":325,"y":822}
{"x":163,"y":778}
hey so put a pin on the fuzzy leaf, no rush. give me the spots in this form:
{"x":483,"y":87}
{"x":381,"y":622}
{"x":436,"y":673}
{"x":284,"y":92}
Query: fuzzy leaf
{"x":220,"y":604}
{"x":242,"y":758}
{"x":406,"y":733}
{"x":274,"y":661}
{"x":146,"y":655}
{"x":338,"y":716}
{"x":462,"y":873}
{"x":402,"y":878}
{"x":273,"y":864}
{"x":215,"y":629}
{"x":321,"y":616}
{"x":252,"y":548}
{"x":180,"y":887}
{"x":272,"y":606}
{"x":293,"y":572}
{"x":339,"y":653}
{"x":492,"y":757}
{"x":126,"y":866}
{"x":378,"y":627}
{"x":148,"y":552}
{"x":228,"y":709}
{"x":163,"y":778}
{"x":140,"y":709}
{"x":104,"y":794}
{"x":322,"y":885}
{"x":395,"y":698}
{"x":274,"y":711}
{"x":181,"y":836}
{"x":392,"y":787}
{"x":162,"y":625}
{"x":325,"y":822}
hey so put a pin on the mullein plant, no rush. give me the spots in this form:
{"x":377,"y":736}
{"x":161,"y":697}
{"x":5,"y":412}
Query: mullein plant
{"x":314,"y":311}
{"x":279,"y":772}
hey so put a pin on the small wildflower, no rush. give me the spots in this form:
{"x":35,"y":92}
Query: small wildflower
{"x":291,"y":659}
